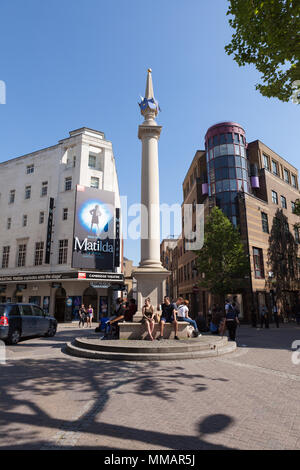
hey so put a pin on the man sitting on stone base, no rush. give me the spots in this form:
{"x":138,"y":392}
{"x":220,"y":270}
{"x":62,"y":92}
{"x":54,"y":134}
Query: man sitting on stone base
{"x":169,"y":313}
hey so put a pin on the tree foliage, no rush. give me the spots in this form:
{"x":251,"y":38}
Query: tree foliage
{"x":297,"y":207}
{"x":222,"y":259}
{"x":282,"y":255}
{"x":267,"y":34}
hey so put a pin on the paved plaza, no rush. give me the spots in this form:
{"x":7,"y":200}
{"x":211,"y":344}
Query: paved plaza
{"x":245,"y":400}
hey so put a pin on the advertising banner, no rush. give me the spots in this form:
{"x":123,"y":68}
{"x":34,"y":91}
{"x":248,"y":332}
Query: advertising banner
{"x":94,"y":229}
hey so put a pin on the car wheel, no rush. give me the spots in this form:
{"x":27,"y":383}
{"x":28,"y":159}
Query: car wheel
{"x":51,"y":332}
{"x":14,"y":337}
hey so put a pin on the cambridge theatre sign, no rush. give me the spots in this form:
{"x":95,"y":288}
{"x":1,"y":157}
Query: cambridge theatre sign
{"x":96,"y":242}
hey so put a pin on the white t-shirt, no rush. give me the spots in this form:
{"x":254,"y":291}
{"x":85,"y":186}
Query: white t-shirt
{"x":182,"y":311}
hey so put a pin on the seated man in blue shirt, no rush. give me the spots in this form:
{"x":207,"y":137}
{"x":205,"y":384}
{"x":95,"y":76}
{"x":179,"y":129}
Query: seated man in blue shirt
{"x":168,"y":315}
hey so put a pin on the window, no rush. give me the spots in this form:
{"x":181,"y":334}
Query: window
{"x":8,"y":224}
{"x":294,"y":181}
{"x":63,"y":252}
{"x":266,"y":162}
{"x":74,"y":161}
{"x":24,"y":223}
{"x":258,"y":263}
{"x":30,"y":169}
{"x":21,"y":258}
{"x":94,"y":182}
{"x":42,"y":217}
{"x":265,"y":223}
{"x":283,"y":202}
{"x":275,"y":167}
{"x":12,"y":195}
{"x":26,"y":310}
{"x":5,"y":256}
{"x":296,"y":231}
{"x":293,"y":205}
{"x":92,"y":161}
{"x":44,"y":190}
{"x":68,"y":183}
{"x":274,"y":197}
{"x":65,"y":214}
{"x":39,"y":253}
{"x":286,"y":176}
{"x":27,"y":192}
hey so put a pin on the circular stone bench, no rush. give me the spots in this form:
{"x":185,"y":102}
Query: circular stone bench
{"x":131,"y":330}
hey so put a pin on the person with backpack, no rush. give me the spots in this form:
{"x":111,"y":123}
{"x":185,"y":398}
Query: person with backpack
{"x":231,"y":319}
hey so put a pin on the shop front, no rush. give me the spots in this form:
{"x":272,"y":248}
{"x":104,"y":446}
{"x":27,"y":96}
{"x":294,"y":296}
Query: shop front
{"x":62,"y":294}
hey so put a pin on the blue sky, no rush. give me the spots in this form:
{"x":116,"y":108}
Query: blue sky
{"x":73,"y":63}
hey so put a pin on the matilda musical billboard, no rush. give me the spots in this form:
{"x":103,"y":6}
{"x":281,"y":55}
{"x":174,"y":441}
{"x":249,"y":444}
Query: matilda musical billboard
{"x":94,"y":229}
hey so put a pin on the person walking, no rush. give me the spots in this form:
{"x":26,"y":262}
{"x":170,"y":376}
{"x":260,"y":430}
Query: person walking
{"x":148,"y":317}
{"x":90,"y":316}
{"x":183,"y":315}
{"x":231,"y":319}
{"x":276,"y":315}
{"x":264,"y":319}
{"x":82,"y":316}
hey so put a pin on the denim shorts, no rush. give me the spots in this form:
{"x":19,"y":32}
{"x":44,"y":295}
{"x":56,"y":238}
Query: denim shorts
{"x":167,"y":320}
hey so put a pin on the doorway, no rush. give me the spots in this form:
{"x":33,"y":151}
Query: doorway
{"x":60,"y":304}
{"x":90,"y":297}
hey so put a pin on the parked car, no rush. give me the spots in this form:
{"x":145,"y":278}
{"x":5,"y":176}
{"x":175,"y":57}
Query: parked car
{"x":22,"y":320}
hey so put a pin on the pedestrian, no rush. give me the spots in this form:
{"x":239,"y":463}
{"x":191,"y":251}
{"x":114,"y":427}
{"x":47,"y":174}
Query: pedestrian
{"x":148,"y":317}
{"x":183,"y":315}
{"x":118,"y":315}
{"x":90,"y":315}
{"x":168,"y":315}
{"x":82,"y":316}
{"x":231,"y":319}
{"x":276,"y":315}
{"x":131,"y":310}
{"x":264,"y":318}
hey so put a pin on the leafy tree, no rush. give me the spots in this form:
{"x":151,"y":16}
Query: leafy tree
{"x":222,"y":259}
{"x":297,"y":207}
{"x":282,"y":256}
{"x":267,"y":35}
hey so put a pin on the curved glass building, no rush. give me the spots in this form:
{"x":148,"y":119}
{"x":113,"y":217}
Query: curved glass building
{"x":227,"y":166}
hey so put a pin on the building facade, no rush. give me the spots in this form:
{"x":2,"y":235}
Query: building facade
{"x":37,"y":206}
{"x":250,"y":183}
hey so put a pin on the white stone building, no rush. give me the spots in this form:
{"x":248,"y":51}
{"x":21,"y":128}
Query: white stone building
{"x":27,"y":184}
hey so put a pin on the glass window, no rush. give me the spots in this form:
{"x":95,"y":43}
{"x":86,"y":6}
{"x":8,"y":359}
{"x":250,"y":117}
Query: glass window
{"x":26,"y":310}
{"x":236,"y":138}
{"x":5,"y":257}
{"x":216,"y":140}
{"x":63,"y":252}
{"x":265,"y":222}
{"x":94,"y":182}
{"x":37,"y":312}
{"x":274,"y":167}
{"x":39,"y":253}
{"x":219,"y":186}
{"x":239,"y":173}
{"x":65,"y":213}
{"x":274,"y":197}
{"x":232,"y":185}
{"x":27,"y":192}
{"x":246,"y":187}
{"x":223,"y":149}
{"x":230,"y":148}
{"x":211,"y":154}
{"x":296,"y":231}
{"x":210,"y":142}
{"x":68,"y":183}
{"x":245,"y":175}
{"x":240,"y":185}
{"x":283,"y":202}
{"x":92,"y":161}
{"x":243,"y":152}
{"x":12,"y":195}
{"x":234,"y":220}
{"x":244,"y":163}
{"x":8,"y":224}
{"x":44,"y":190}
{"x":229,"y":138}
{"x":238,"y":161}
{"x":230,"y":160}
{"x":42,"y":217}
{"x":258,"y":263}
{"x":294,"y":181}
{"x":232,"y":173}
{"x":226,"y":185}
{"x":293,"y":205}
{"x":29,"y":169}
{"x":237,"y":150}
{"x":21,"y":258}
{"x":217,"y":151}
{"x":222,"y":139}
{"x":286,"y":175}
{"x":266,"y":162}
{"x":24,"y":221}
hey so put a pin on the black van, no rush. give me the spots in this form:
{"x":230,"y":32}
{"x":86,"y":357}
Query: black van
{"x":22,"y":320}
